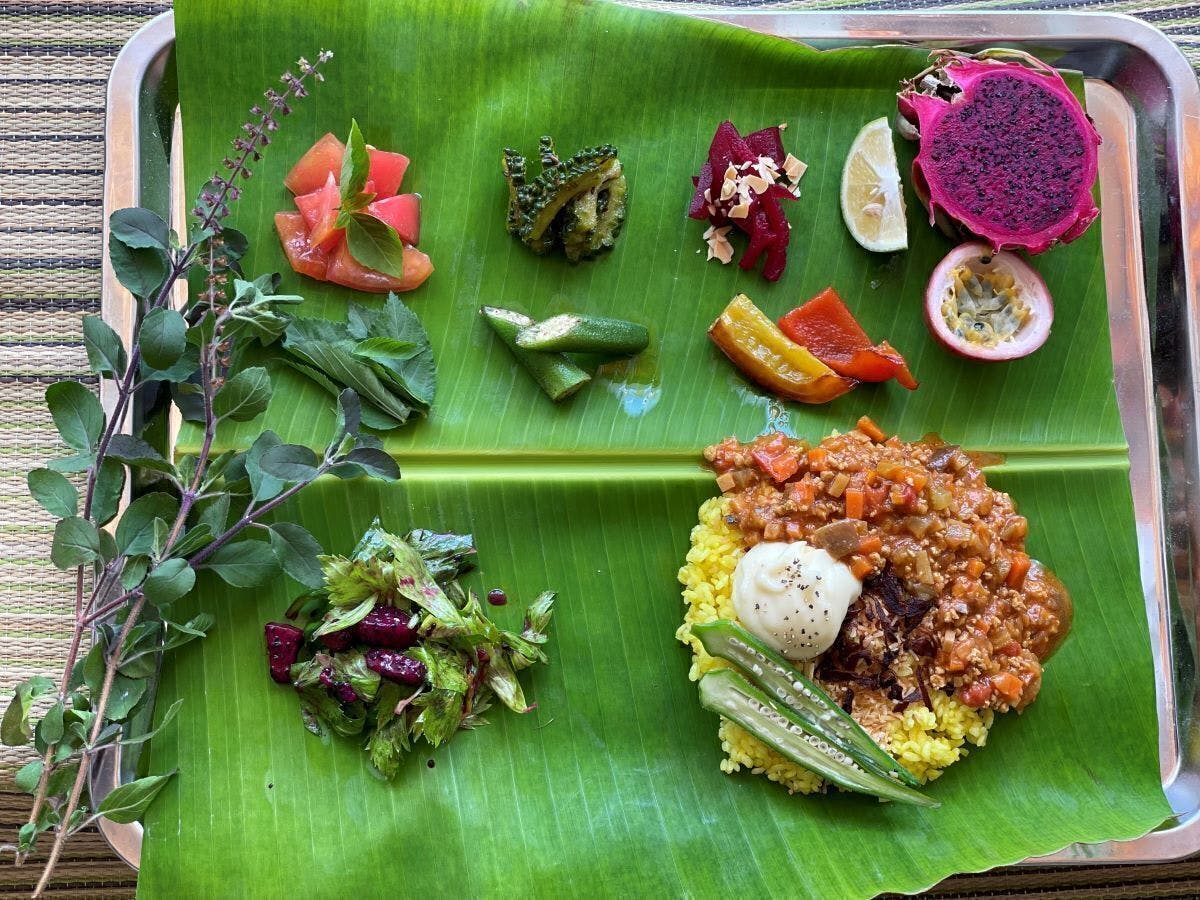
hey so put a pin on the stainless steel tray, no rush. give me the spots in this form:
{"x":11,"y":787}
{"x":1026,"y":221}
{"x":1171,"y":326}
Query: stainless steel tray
{"x":1146,"y":103}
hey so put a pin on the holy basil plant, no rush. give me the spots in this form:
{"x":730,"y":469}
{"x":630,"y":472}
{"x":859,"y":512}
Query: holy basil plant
{"x":203,"y":511}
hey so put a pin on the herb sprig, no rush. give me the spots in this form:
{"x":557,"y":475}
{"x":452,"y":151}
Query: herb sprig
{"x":192,"y":513}
{"x":372,"y":242}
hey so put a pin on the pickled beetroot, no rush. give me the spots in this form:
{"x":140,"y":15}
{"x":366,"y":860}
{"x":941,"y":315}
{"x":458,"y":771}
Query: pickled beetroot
{"x":337,"y":640}
{"x":283,"y":646}
{"x":395,"y":666}
{"x":765,"y":222}
{"x":386,"y":626}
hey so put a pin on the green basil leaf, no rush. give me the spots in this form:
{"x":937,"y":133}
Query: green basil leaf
{"x":14,"y":728}
{"x":163,"y":338}
{"x":62,"y":778}
{"x":213,"y":512}
{"x":297,"y":550}
{"x":125,"y":694}
{"x":79,"y":462}
{"x":50,"y":729}
{"x":375,"y":463}
{"x":75,"y":543}
{"x":289,"y":462}
{"x":134,"y":571}
{"x":337,"y":362}
{"x":128,"y":802}
{"x":181,"y":370}
{"x":110,"y":485}
{"x":139,"y":227}
{"x":375,"y":244}
{"x":244,"y":396}
{"x":169,"y":581}
{"x":159,"y":540}
{"x":244,"y":564}
{"x":77,"y":414}
{"x":168,"y":716}
{"x":141,"y":269}
{"x":197,"y":626}
{"x":349,"y":413}
{"x":93,"y":669}
{"x":135,"y":531}
{"x":108,"y":546}
{"x":105,"y":352}
{"x":356,"y":163}
{"x":195,"y":538}
{"x":386,"y":350}
{"x":135,"y":452}
{"x":28,"y":776}
{"x":262,"y":485}
{"x":53,"y":492}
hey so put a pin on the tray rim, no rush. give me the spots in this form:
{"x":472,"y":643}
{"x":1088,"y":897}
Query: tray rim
{"x":151,"y":44}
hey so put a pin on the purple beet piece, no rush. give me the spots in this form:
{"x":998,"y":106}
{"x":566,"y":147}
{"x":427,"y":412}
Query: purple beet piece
{"x":386,"y":626}
{"x":338,"y":640}
{"x":338,"y":689}
{"x":395,"y":666}
{"x":283,"y":646}
{"x":767,"y":142}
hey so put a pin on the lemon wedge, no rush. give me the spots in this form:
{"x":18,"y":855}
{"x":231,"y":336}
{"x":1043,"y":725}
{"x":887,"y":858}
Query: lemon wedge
{"x":872,"y":198}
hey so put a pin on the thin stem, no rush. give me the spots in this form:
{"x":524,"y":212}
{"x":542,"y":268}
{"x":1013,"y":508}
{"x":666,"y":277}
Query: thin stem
{"x":250,"y":518}
{"x":110,"y":672}
{"x":111,"y":606}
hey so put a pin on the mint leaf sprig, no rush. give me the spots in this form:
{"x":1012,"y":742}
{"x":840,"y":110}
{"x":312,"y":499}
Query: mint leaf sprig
{"x":371,"y":241}
{"x":200,"y":509}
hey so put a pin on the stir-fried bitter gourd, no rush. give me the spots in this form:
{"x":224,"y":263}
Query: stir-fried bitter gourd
{"x":576,"y":203}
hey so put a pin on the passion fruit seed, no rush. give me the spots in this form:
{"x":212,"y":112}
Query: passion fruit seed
{"x":987,"y":305}
{"x":984,"y":307}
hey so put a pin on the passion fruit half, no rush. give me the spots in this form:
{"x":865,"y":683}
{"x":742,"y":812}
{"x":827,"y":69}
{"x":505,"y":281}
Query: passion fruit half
{"x":987,"y":306}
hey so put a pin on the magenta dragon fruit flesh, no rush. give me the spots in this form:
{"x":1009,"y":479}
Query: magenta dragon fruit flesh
{"x":1007,"y":152}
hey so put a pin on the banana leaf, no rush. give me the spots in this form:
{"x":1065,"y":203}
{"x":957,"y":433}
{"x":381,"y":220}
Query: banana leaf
{"x":611,"y":786}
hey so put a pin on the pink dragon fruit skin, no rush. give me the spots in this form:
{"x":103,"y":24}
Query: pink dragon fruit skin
{"x":1007,"y":152}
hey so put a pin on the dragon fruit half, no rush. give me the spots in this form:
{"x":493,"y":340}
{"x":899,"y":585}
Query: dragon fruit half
{"x":1006,"y":150}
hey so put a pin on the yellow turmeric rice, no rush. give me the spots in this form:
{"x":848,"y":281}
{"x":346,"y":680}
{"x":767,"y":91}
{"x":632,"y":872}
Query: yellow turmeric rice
{"x":924,"y":740}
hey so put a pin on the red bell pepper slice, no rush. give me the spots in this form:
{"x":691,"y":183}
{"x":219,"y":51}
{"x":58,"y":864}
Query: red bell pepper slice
{"x":831,"y":333}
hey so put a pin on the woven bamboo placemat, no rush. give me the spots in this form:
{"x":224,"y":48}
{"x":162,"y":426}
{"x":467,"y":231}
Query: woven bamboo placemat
{"x":55,"y":57}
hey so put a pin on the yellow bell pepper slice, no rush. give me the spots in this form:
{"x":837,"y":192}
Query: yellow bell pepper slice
{"x":768,"y":357}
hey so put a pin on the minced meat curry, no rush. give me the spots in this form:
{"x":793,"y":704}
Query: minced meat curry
{"x":950,"y":598}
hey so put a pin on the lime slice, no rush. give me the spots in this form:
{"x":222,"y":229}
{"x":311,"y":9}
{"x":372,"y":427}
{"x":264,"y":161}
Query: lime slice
{"x":872,"y":200}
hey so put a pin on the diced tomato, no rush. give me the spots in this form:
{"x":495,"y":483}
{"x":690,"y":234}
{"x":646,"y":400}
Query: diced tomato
{"x":304,"y":258}
{"x":402,"y":212}
{"x":387,"y":171}
{"x":976,"y":694}
{"x":780,"y":466}
{"x":348,"y":272}
{"x":320,"y":211}
{"x":323,"y":157}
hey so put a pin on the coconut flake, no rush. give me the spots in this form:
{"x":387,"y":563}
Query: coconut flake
{"x":741,"y":211}
{"x":756,"y":184}
{"x":794,"y":168}
{"x":718,"y":244}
